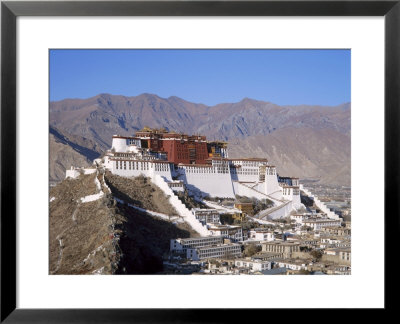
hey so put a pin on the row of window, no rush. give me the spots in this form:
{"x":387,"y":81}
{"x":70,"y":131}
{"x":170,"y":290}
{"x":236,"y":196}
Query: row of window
{"x":161,"y":167}
{"x":134,"y":142}
{"x":132,"y":165}
{"x":218,"y":251}
{"x":255,"y":172}
{"x":199,"y":170}
{"x":247,"y":163}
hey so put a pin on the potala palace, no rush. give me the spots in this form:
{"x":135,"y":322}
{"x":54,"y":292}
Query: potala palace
{"x":201,"y":167}
{"x":178,"y":163}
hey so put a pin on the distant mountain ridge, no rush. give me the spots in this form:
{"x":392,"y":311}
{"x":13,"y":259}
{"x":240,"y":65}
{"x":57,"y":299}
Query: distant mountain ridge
{"x":305,"y":141}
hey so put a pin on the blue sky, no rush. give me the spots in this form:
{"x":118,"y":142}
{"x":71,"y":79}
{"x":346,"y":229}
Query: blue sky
{"x":284,"y":77}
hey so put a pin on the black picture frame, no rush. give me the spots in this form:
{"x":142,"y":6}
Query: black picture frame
{"x":11,"y":10}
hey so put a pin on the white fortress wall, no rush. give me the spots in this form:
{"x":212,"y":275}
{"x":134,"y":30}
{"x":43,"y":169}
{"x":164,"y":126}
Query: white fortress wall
{"x":297,"y":201}
{"x":164,"y":169}
{"x":89,"y":171}
{"x":243,"y":190}
{"x":259,"y":186}
{"x":134,"y":168}
{"x":271,"y":183}
{"x":245,"y":170}
{"x":282,"y":212}
{"x":119,"y":144}
{"x":73,"y":173}
{"x":179,"y":206}
{"x":117,"y":167}
{"x":107,"y":163}
{"x":208,"y":180}
{"x":251,"y":175}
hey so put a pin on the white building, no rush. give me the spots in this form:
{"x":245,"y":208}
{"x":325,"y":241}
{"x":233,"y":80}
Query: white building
{"x":292,"y":264}
{"x":207,"y":216}
{"x":254,"y":265}
{"x":232,"y":250}
{"x":291,"y":193}
{"x":182,"y":244}
{"x":232,"y":232}
{"x":298,"y":218}
{"x":317,"y":224}
{"x":261,"y":234}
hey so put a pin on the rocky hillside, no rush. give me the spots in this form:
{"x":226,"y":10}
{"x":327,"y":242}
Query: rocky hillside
{"x":310,"y":141}
{"x":68,"y":150}
{"x":105,"y":235}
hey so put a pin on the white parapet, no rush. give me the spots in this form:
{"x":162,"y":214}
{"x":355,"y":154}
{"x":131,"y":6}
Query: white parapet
{"x":76,"y":172}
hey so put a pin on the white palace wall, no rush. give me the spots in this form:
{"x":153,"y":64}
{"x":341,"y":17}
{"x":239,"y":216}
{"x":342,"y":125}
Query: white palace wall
{"x":119,"y":144}
{"x":243,"y":190}
{"x":283,"y":211}
{"x":135,"y":168}
{"x":272,"y":187}
{"x":289,"y":195}
{"x":74,"y":173}
{"x":208,"y":181}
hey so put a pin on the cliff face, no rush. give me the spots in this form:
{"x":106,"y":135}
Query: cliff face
{"x":106,"y":236}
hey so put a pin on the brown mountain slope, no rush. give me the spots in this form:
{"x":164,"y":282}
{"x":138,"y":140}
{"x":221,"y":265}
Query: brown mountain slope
{"x":68,"y":150}
{"x":322,"y":154}
{"x":100,"y":117}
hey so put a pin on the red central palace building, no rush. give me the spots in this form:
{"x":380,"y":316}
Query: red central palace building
{"x":180,"y":148}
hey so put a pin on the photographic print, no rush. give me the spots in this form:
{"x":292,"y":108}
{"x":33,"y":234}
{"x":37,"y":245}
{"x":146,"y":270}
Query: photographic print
{"x":200,"y":162}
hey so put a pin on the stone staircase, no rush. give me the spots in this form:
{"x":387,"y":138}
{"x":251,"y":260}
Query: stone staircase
{"x":277,"y":201}
{"x":282,"y":208}
{"x":267,"y":212}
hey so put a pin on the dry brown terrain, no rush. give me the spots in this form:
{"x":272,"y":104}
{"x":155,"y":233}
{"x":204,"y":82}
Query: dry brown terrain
{"x":141,"y":192}
{"x":315,"y":154}
{"x":78,"y":229}
{"x":66,"y":150}
{"x":105,"y":236}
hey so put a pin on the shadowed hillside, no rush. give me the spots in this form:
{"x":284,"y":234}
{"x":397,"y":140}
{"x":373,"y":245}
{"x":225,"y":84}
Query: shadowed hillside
{"x":68,"y":150}
{"x":104,"y":236}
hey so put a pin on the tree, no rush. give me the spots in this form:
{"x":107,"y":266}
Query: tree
{"x":316,"y":254}
{"x":251,"y":249}
{"x":304,"y":272}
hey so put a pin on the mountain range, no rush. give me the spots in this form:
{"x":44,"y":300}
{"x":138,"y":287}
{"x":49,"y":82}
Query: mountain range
{"x":310,"y":142}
